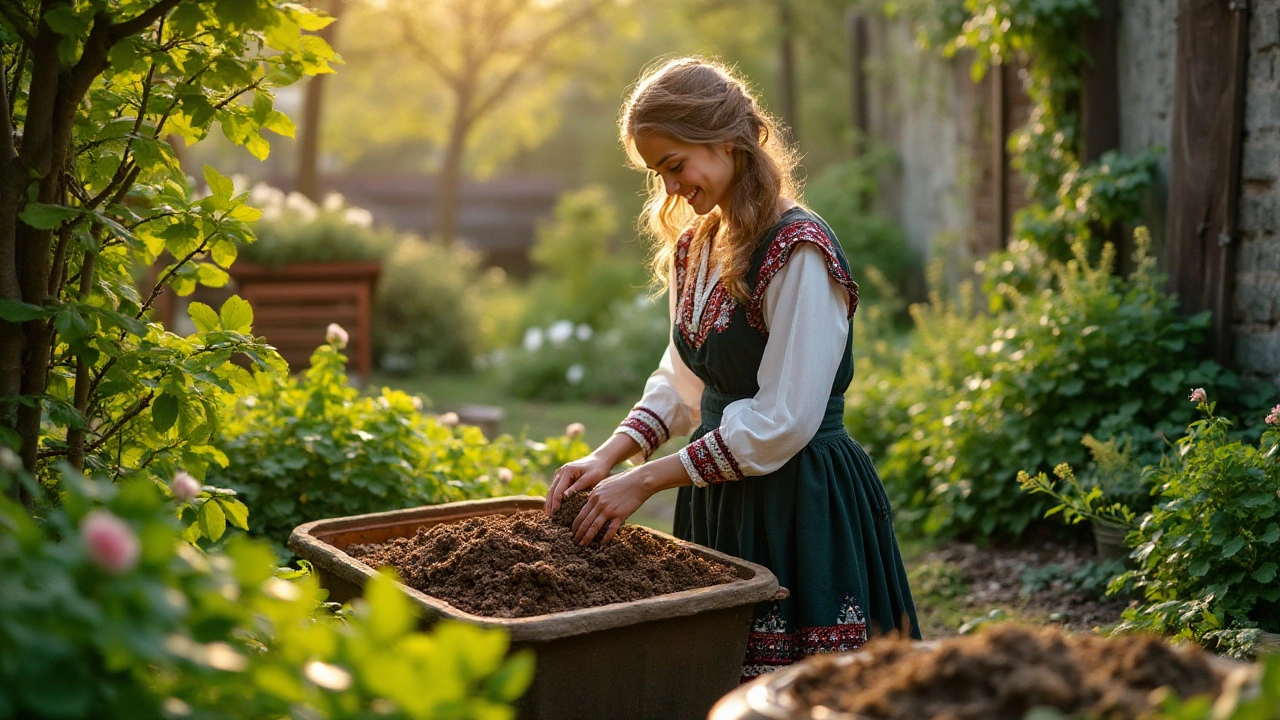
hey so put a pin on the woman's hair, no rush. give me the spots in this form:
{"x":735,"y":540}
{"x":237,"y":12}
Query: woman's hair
{"x":702,"y":102}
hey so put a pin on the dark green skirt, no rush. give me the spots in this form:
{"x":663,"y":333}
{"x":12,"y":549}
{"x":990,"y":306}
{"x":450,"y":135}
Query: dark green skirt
{"x":822,"y":524}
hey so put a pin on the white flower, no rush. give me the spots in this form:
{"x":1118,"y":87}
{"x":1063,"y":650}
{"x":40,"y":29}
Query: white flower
{"x":335,"y":335}
{"x":583,"y":332}
{"x":333,"y":201}
{"x":1198,"y":396}
{"x":250,"y":401}
{"x":417,"y":403}
{"x":265,"y":197}
{"x":9,"y":460}
{"x":533,"y":339}
{"x":185,"y":487}
{"x":575,"y":373}
{"x":358,"y":217}
{"x":449,"y":419}
{"x":301,"y":204}
{"x":559,"y":332}
{"x":329,"y":677}
{"x":574,"y":430}
{"x":505,"y":476}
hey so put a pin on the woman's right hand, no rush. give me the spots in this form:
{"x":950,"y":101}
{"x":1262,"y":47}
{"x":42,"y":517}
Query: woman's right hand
{"x":581,"y":474}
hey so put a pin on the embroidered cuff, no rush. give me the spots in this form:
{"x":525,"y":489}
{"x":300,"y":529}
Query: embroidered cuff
{"x":646,"y":428}
{"x":690,"y":468}
{"x":709,"y":458}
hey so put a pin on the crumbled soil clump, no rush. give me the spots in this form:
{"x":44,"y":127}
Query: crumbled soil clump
{"x":523,"y":564}
{"x":1006,"y":671}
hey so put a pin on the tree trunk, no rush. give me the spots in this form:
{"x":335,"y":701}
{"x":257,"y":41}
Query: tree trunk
{"x":308,"y":181}
{"x":787,"y":70}
{"x":449,"y":189}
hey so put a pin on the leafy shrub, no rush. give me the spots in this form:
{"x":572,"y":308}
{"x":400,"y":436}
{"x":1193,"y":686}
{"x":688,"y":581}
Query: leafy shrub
{"x":574,"y":362}
{"x":1209,"y":551}
{"x":582,"y":273}
{"x":843,"y":195}
{"x":978,"y":398}
{"x":307,"y":448}
{"x":293,"y":229}
{"x":427,"y":314}
{"x":105,"y":612}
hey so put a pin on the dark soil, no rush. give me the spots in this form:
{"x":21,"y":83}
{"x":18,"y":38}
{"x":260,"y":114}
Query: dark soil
{"x":523,"y":564}
{"x":1006,"y":671}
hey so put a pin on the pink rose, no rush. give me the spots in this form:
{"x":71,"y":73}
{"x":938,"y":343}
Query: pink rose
{"x":336,"y":336}
{"x":185,"y":487}
{"x":1274,"y":417}
{"x":111,"y":542}
{"x":1198,"y":396}
{"x":575,"y":430}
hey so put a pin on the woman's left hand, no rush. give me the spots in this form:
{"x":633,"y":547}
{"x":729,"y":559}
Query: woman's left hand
{"x":608,"y":505}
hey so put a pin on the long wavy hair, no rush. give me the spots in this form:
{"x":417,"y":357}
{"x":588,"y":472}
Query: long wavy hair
{"x":701,"y":101}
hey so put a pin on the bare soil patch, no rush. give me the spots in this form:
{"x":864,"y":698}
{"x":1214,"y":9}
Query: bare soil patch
{"x":1006,"y":671}
{"x":523,"y":564}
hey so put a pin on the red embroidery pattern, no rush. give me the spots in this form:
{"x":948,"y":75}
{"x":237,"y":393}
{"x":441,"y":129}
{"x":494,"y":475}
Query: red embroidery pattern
{"x":787,"y":240}
{"x":719,"y":307}
{"x":646,"y":428}
{"x":770,"y":645}
{"x":711,"y":458}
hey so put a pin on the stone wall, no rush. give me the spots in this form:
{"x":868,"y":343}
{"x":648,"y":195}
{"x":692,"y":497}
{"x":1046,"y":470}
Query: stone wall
{"x":1256,"y":318}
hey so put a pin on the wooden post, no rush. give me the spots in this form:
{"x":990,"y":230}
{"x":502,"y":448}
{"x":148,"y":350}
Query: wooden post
{"x":856,"y":27}
{"x":1204,"y":183}
{"x":999,"y":154}
{"x":1100,"y":105}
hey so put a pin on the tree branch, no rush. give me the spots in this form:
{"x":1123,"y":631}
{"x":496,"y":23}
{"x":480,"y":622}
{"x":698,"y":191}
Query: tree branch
{"x":21,"y":24}
{"x":135,"y":25}
{"x":425,"y":52}
{"x":155,"y":292}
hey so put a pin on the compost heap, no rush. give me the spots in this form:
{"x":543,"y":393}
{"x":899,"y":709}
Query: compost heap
{"x":524,"y":564}
{"x":1005,"y":672}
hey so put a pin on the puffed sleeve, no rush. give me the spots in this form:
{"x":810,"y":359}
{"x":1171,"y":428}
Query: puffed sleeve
{"x":807,"y":306}
{"x":672,"y":399}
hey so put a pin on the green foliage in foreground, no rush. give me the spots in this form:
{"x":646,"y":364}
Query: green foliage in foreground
{"x":312,"y":447}
{"x":134,"y":622}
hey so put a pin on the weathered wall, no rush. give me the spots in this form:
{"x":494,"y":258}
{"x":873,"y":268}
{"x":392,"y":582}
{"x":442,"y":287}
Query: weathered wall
{"x":1146,"y":62}
{"x":1257,"y":293}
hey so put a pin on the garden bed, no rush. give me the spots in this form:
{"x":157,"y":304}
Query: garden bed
{"x":1003,"y":672}
{"x":668,"y":656}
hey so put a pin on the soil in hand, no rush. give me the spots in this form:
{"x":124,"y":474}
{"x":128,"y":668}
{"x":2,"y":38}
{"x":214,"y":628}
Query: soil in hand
{"x":524,"y":564}
{"x":1006,"y":671}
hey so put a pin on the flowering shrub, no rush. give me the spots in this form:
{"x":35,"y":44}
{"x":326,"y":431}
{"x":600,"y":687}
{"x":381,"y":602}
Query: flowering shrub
{"x":976,"y":398}
{"x":312,"y":447}
{"x":293,"y":229}
{"x":106,"y":612}
{"x":1209,"y":551}
{"x":564,"y":361}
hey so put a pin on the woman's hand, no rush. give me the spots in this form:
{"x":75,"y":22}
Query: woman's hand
{"x":609,"y":505}
{"x":581,"y":474}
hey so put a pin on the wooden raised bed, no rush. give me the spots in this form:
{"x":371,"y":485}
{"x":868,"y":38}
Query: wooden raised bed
{"x":293,"y":304}
{"x":669,"y":657}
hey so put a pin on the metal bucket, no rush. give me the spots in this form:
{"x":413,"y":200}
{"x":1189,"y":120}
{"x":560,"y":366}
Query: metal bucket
{"x":670,"y":656}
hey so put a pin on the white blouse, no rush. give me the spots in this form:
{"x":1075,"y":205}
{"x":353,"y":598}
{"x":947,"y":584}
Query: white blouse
{"x":806,"y":311}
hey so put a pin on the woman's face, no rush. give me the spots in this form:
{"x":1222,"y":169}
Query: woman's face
{"x":701,"y":174}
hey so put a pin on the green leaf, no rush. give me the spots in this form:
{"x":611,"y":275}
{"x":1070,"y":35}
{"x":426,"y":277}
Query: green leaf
{"x":203,"y":316}
{"x":16,"y":312}
{"x":211,"y":275}
{"x":513,"y":678}
{"x":224,"y":251}
{"x":237,"y":315}
{"x":1232,"y":546}
{"x":280,"y":124}
{"x":164,"y":412}
{"x":237,"y":513}
{"x":43,"y":216}
{"x":211,"y":520}
{"x":1266,"y":573}
{"x":220,"y":185}
{"x":390,"y":613}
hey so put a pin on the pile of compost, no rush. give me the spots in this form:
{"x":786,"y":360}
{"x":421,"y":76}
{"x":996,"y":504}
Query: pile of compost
{"x":523,"y":564}
{"x":1005,"y":672}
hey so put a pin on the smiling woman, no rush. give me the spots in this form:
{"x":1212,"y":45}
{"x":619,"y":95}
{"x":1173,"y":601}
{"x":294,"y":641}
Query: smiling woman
{"x":761,"y":303}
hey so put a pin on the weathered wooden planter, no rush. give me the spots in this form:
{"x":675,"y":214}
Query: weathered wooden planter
{"x":772,"y":696}
{"x":668,"y":657}
{"x":293,"y":304}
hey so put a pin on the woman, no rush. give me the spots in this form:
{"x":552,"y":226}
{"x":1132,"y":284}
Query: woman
{"x":759,"y":359}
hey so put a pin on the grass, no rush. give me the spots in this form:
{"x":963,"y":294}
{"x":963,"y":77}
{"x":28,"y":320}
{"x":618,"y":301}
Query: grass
{"x":536,"y":419}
